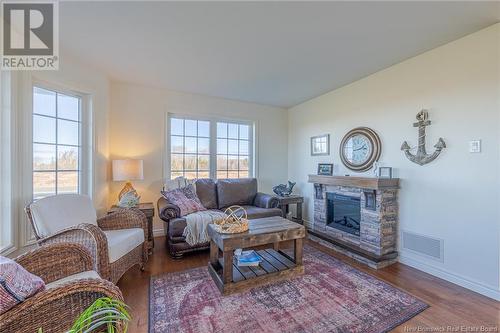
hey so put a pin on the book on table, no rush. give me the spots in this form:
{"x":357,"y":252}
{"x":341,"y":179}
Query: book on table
{"x":248,"y":258}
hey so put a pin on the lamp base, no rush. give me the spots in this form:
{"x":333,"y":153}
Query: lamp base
{"x":127,"y":188}
{"x":128,"y":197}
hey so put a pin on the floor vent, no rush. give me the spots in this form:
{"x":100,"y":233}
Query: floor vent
{"x":423,"y":245}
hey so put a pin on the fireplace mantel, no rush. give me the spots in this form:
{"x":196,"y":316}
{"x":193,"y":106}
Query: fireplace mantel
{"x":376,"y":242}
{"x":360,"y":182}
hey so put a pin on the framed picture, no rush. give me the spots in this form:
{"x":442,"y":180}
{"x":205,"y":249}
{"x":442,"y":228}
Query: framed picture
{"x":325,"y":169}
{"x":385,"y":172}
{"x":320,"y":145}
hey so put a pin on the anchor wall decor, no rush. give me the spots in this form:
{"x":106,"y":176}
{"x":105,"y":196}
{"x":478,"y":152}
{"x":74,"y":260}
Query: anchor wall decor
{"x":421,"y":157}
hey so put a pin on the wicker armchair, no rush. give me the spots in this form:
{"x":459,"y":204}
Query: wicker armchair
{"x":115,"y":241}
{"x":71,"y":287}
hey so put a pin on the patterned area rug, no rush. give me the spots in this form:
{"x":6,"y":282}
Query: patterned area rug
{"x":330,"y":297}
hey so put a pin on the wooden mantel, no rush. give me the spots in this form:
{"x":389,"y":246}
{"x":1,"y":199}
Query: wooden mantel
{"x":362,"y":182}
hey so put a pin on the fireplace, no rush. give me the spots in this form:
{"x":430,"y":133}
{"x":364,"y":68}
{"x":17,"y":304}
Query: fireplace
{"x":357,"y":216}
{"x":343,"y":212}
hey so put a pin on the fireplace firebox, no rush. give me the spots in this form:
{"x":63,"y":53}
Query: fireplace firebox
{"x":343,"y":212}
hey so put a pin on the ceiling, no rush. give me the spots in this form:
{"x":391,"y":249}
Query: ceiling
{"x":273,"y":53}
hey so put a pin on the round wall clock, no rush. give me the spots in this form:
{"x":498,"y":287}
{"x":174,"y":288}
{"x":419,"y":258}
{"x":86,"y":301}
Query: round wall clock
{"x":360,"y":148}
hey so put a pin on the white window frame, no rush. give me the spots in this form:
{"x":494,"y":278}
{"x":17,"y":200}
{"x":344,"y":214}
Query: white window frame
{"x":7,"y":228}
{"x":250,"y":146}
{"x":184,"y":136}
{"x":252,"y":152}
{"x":86,"y":157}
{"x":82,"y":126}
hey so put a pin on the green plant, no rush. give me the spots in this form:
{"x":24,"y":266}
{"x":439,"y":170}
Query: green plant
{"x":103,"y":313}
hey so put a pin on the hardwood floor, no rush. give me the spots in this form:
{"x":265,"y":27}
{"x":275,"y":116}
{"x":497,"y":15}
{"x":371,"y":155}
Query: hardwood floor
{"x":453,"y":308}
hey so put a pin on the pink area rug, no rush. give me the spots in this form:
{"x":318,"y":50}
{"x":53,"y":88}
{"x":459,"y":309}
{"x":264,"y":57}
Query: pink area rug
{"x":330,"y":297}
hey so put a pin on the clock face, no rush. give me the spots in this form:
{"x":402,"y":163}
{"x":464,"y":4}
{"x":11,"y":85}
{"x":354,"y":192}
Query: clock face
{"x":360,"y":148}
{"x":357,"y":149}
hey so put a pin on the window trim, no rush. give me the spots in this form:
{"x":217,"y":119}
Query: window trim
{"x":86,"y":135}
{"x":197,"y":153}
{"x":88,"y":151}
{"x":238,"y":139}
{"x":7,"y":117}
{"x":82,"y":179}
{"x":213,"y":119}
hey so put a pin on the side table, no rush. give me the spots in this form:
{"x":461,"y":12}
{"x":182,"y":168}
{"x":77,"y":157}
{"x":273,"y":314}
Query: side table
{"x":149,"y":210}
{"x":284,"y":203}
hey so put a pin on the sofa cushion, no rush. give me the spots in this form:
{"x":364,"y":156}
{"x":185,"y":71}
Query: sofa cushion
{"x":57,"y":212}
{"x":236,"y":191}
{"x":207,"y":193}
{"x":73,"y":278}
{"x":121,"y":242}
{"x":257,"y":212}
{"x":17,"y":284}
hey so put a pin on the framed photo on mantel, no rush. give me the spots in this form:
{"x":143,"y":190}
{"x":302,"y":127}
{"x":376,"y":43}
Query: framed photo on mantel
{"x":325,"y":169}
{"x":320,"y":145}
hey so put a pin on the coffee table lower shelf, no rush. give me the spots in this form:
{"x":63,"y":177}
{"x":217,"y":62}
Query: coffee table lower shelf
{"x":275,"y":266}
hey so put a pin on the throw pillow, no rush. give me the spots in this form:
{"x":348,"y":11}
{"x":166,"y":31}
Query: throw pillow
{"x":190,"y":192}
{"x":185,"y":204}
{"x":16,"y":284}
{"x":178,"y":182}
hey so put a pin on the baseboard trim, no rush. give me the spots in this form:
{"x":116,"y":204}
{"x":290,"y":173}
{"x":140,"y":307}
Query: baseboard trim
{"x":448,"y":276}
{"x":451,"y":277}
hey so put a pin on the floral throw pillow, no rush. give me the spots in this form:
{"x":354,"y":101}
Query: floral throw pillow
{"x":190,"y":192}
{"x":186,"y":205}
{"x":16,"y":284}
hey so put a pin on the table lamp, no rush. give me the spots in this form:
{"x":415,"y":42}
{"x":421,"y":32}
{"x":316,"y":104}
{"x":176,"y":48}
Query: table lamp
{"x":128,"y":170}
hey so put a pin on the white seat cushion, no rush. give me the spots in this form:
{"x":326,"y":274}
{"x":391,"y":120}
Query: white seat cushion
{"x":57,"y":212}
{"x":121,"y":242}
{"x":70,"y":278}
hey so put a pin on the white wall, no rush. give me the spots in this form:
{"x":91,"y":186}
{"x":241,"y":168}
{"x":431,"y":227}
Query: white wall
{"x":455,"y":198}
{"x":137,"y":130}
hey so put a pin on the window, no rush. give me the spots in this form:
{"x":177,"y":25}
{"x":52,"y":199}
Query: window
{"x":233,"y":150}
{"x":190,"y":148}
{"x":208,"y":148}
{"x":57,"y":126}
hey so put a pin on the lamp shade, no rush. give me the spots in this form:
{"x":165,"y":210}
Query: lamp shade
{"x":124,"y":170}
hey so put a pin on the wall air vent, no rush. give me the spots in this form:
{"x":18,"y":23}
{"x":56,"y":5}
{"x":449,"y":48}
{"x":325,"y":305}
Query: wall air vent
{"x":423,"y":245}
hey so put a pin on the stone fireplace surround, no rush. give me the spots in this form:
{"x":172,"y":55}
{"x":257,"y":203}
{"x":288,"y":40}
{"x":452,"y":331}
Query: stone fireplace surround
{"x":376,"y":245}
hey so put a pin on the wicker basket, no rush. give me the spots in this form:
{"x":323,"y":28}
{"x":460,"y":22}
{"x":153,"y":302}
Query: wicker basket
{"x":233,"y":223}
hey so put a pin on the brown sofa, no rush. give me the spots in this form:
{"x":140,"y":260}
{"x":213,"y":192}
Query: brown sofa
{"x":216,"y":195}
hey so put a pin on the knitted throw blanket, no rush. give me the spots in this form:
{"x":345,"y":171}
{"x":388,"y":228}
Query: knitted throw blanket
{"x":197,"y":224}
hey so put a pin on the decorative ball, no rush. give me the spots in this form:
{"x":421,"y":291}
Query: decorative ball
{"x":236,"y":221}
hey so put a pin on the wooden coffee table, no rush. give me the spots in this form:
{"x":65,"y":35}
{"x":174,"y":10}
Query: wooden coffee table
{"x":276,"y":265}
